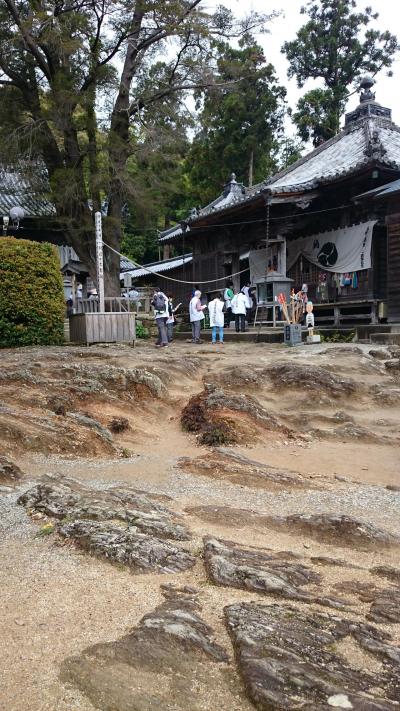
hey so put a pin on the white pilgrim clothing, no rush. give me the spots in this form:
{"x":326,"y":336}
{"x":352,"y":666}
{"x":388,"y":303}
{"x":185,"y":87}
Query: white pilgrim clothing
{"x":215,"y":310}
{"x":239,"y":304}
{"x":245,"y":292}
{"x":195,"y":310}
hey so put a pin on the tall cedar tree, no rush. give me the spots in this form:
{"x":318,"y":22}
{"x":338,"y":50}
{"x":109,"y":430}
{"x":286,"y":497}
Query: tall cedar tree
{"x":337,"y":46}
{"x":240,"y":122}
{"x":67,"y":66}
{"x":156,"y":174}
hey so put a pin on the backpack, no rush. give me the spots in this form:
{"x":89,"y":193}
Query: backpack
{"x":159,"y":302}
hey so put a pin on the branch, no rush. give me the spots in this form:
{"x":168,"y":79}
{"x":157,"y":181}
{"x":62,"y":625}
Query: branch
{"x":161,"y":34}
{"x":157,"y":96}
{"x":29,"y":41}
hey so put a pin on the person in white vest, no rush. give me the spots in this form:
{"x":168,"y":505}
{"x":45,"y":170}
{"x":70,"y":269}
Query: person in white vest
{"x":196,"y":314}
{"x":239,"y":310}
{"x":216,"y":312}
{"x":249,"y":302}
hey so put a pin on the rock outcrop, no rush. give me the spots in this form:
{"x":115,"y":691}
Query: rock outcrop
{"x":280,"y":574}
{"x":10,"y":473}
{"x":219,"y":417}
{"x":385,"y":603}
{"x":127,"y":546}
{"x":292,"y":659}
{"x":121,"y":525}
{"x":345,"y":531}
{"x":310,"y":377}
{"x":223,"y":464}
{"x":58,"y":407}
{"x":170,"y":660}
{"x":388,"y":572}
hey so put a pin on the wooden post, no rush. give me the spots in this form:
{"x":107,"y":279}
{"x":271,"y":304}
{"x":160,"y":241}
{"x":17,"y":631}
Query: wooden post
{"x":99,"y":261}
{"x":336,"y":315}
{"x":74,"y":295}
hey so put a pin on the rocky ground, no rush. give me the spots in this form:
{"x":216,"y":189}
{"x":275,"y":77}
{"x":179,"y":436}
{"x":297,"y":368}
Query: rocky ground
{"x":203,"y":528}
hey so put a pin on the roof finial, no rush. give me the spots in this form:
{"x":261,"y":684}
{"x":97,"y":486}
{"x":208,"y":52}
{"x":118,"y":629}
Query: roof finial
{"x":233,"y":178}
{"x":365,"y":87}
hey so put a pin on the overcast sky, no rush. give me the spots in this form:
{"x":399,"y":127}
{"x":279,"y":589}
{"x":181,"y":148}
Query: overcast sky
{"x":285,"y":28}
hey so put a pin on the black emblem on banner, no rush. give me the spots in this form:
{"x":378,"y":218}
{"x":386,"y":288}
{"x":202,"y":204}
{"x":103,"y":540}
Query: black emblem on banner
{"x":328,"y":255}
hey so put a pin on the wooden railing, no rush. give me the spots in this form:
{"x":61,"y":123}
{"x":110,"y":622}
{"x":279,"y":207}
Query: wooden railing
{"x":115,"y":304}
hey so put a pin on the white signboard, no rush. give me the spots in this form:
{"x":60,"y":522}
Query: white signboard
{"x":127,"y":280}
{"x":99,"y":260}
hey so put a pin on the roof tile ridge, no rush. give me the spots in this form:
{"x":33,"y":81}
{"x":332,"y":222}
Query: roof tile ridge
{"x":306,"y":158}
{"x":384,"y":123}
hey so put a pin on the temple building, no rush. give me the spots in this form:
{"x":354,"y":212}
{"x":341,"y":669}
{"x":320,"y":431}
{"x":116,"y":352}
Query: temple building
{"x":323,"y":223}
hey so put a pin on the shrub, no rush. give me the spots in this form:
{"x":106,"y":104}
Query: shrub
{"x":32,"y":304}
{"x":141,"y":331}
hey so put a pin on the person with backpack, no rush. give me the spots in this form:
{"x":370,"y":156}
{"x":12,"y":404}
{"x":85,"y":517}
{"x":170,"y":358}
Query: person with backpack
{"x":216,"y":312}
{"x":196,"y":314}
{"x":159,"y":303}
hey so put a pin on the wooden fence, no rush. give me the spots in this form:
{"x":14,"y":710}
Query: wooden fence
{"x":102,"y":328}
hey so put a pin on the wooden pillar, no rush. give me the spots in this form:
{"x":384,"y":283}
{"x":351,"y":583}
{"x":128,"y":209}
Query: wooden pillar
{"x":74,"y":294}
{"x":393,"y":268}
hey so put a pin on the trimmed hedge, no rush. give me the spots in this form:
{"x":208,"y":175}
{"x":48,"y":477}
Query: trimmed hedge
{"x":32,"y":303}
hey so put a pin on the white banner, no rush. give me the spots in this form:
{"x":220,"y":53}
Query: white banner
{"x":347,"y":249}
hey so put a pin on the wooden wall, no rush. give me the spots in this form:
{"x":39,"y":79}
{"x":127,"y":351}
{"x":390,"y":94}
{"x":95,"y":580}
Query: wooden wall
{"x":102,"y":328}
{"x":393,"y":267}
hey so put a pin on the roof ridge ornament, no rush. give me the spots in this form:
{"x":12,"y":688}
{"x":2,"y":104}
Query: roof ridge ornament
{"x":232,"y":186}
{"x":366,"y":83}
{"x":368,"y":106}
{"x":375,"y":148}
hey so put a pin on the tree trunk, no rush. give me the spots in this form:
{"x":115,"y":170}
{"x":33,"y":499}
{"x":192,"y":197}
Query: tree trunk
{"x":251,"y":167}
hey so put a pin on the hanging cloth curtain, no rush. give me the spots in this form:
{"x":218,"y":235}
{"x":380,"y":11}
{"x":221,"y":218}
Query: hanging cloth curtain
{"x":347,"y":249}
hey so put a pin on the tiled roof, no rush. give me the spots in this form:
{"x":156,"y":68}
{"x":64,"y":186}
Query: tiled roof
{"x":342,"y":155}
{"x":171,"y":232}
{"x":233,"y":192}
{"x":18,"y":188}
{"x":369,"y":138}
{"x":382,"y":191}
{"x":156,"y":267}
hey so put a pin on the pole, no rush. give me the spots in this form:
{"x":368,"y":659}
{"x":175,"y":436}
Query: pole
{"x":99,"y":261}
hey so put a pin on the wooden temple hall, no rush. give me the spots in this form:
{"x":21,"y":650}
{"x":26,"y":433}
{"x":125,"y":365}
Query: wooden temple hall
{"x":330,"y":221}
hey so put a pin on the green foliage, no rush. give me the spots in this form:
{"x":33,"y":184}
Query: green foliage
{"x":31,"y":294}
{"x":336,"y":45}
{"x":317,"y":117}
{"x":240,"y":122}
{"x":338,"y":337}
{"x":141,"y":247}
{"x":46,"y":530}
{"x":141,"y":331}
{"x":83,"y":90}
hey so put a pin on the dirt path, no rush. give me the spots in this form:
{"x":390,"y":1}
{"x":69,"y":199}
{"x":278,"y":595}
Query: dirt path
{"x":57,"y":601}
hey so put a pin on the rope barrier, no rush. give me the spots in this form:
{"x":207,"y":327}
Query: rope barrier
{"x":178,"y":281}
{"x":231,"y":224}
